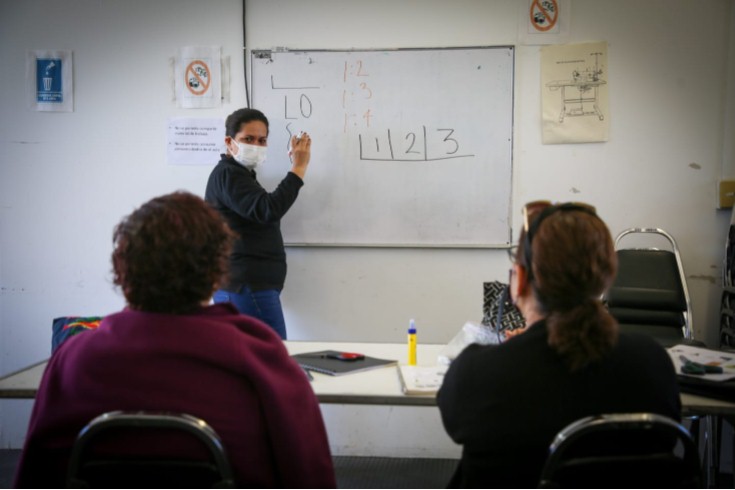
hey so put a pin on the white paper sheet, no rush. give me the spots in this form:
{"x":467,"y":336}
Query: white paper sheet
{"x":725,"y":360}
{"x":195,"y":141}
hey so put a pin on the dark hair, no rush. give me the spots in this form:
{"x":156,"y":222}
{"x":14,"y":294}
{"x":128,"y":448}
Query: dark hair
{"x":170,"y":253}
{"x":573,"y":263}
{"x":243,"y":116}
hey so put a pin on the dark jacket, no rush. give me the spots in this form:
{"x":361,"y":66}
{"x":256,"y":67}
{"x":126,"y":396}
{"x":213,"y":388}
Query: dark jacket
{"x":506,"y":403}
{"x":258,"y":258}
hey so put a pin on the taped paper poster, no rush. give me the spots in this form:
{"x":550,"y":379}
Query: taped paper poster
{"x":574,"y":93}
{"x":195,"y":141}
{"x":543,"y":21}
{"x":49,"y":77}
{"x":198,"y":77}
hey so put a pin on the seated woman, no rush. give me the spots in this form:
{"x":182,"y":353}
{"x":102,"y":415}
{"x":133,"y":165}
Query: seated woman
{"x":169,"y":350}
{"x":505,"y":403}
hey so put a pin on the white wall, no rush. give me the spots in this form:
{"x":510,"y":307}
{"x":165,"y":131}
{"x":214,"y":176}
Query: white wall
{"x":67,"y":178}
{"x":668,"y":67}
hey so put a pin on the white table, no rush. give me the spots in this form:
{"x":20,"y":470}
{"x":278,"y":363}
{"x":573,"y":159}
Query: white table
{"x":379,"y":386}
{"x":366,"y":413}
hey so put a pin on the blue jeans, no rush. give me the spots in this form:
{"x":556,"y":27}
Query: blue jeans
{"x":264,"y":305}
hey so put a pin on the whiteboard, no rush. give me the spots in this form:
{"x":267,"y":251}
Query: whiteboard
{"x":410,"y":147}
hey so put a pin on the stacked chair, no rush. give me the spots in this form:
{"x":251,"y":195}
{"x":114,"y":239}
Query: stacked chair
{"x":727,"y":305}
{"x":650,"y":292}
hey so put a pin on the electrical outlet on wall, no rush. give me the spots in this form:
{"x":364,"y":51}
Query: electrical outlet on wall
{"x":725,"y":193}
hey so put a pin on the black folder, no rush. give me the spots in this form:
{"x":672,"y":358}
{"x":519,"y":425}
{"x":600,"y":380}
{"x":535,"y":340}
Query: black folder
{"x":326,"y":362}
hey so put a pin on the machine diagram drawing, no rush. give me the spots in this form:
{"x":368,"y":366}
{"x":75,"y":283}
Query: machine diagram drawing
{"x":580,"y":93}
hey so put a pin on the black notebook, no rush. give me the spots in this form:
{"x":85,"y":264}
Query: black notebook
{"x":328,"y":362}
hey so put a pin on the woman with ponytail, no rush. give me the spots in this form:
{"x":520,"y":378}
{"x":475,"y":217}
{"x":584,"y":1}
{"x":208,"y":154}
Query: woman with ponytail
{"x":505,"y":403}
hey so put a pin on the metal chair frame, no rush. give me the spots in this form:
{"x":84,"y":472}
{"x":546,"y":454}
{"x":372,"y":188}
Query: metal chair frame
{"x":180,"y":422}
{"x":636,"y":423}
{"x":687,"y":329}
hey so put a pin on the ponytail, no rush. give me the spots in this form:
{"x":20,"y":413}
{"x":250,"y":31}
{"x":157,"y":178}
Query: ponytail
{"x":571,"y":262}
{"x":582,"y":334}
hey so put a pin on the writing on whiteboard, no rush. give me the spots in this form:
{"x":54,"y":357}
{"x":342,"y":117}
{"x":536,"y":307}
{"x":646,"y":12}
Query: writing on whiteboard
{"x":439,"y":144}
{"x":411,"y":147}
{"x":355,"y":101}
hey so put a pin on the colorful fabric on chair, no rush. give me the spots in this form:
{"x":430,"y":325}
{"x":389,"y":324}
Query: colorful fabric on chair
{"x":68,"y":326}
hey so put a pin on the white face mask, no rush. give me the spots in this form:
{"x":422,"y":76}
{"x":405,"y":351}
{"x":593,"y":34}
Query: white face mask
{"x":250,"y":156}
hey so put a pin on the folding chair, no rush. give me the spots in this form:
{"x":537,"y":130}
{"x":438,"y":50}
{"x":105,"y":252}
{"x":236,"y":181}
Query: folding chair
{"x":727,"y":305}
{"x":148,"y":450}
{"x":631,"y":450}
{"x":650,"y":292}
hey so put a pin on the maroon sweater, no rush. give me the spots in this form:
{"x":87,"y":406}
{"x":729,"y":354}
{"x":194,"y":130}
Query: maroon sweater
{"x":229,"y":369}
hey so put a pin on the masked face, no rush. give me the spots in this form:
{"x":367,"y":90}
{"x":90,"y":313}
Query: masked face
{"x":250,"y":156}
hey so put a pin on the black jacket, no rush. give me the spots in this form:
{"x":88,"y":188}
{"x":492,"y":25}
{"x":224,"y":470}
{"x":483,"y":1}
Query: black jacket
{"x":258,"y":258}
{"x":506,"y":403}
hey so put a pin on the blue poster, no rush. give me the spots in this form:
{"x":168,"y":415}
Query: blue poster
{"x":49,"y":80}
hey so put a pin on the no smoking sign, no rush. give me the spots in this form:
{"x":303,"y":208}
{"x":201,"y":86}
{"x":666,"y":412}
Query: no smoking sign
{"x":197,"y":78}
{"x":544,"y":14}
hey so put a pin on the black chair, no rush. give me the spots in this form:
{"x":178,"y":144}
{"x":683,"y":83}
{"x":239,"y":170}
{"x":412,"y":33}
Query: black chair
{"x":727,"y":305}
{"x":635,"y":450}
{"x":148,"y":450}
{"x":727,"y":318}
{"x":650,"y":292}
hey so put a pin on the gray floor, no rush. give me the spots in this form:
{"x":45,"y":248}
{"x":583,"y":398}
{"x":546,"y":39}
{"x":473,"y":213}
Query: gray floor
{"x":363,"y":472}
{"x":352,"y":472}
{"x":357,"y":472}
{"x":8,"y":461}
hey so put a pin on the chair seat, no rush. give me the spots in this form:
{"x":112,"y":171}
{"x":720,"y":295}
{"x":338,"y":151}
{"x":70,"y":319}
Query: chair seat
{"x":159,"y":473}
{"x":646,"y":298}
{"x":665,"y":336}
{"x":663,"y":318}
{"x":660,"y":470}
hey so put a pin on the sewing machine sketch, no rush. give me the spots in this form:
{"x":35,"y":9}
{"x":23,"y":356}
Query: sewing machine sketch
{"x":584,"y":87}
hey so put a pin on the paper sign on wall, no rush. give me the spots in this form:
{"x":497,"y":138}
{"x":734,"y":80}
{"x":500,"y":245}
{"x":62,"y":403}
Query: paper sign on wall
{"x":574,"y":89}
{"x":195,"y":141}
{"x":49,"y":80}
{"x":198,"y":77}
{"x":543,"y":21}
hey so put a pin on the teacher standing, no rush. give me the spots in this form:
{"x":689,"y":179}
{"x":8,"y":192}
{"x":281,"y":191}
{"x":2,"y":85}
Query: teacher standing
{"x":257,"y":270}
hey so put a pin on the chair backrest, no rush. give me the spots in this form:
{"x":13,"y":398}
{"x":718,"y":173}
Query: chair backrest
{"x":650,"y":292}
{"x":727,"y":318}
{"x":148,"y":450}
{"x":633,"y":450}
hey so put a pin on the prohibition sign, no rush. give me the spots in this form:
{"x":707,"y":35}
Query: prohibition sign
{"x":196,"y":77}
{"x":544,"y":14}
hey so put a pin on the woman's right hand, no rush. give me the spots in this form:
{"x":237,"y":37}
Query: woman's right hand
{"x":300,"y":154}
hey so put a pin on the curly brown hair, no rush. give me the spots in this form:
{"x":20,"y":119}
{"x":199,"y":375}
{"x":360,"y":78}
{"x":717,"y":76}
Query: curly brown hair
{"x":170,"y":253}
{"x":573,"y":263}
